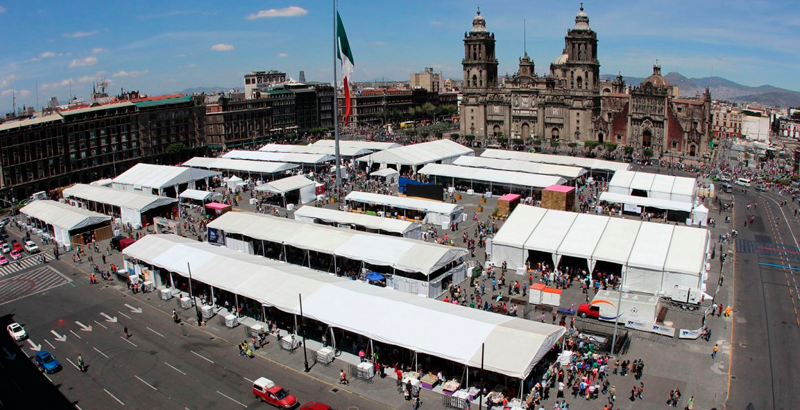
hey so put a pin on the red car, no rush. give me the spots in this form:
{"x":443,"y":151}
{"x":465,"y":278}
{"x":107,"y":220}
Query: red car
{"x":315,"y":405}
{"x":267,"y":391}
{"x":16,"y":246}
{"x":587,"y":310}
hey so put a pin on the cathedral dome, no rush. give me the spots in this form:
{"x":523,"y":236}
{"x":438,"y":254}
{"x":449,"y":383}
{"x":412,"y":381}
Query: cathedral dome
{"x":656,"y":79}
{"x":479,"y":23}
{"x":561,"y":60}
{"x":582,"y":20}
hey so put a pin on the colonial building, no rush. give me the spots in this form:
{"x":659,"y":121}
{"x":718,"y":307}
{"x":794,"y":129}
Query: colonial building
{"x":428,"y":79}
{"x":572,"y":104}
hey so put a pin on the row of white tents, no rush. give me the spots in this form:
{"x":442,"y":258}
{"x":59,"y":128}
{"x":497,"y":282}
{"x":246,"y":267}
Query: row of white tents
{"x":654,"y":257}
{"x":513,"y":346}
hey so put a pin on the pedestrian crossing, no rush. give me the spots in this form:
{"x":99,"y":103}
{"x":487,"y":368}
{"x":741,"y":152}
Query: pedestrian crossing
{"x":24,"y":263}
{"x":30,"y":283}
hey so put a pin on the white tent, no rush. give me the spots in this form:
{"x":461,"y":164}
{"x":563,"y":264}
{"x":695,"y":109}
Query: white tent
{"x":617,"y":241}
{"x":449,"y":173}
{"x":583,"y":237}
{"x":233,"y":182}
{"x":390,"y":174}
{"x":407,"y":229}
{"x":588,"y":163}
{"x":437,"y":213}
{"x":131,"y":204}
{"x":662,"y":187}
{"x":370,"y":145}
{"x":290,"y":157}
{"x":344,"y":151}
{"x":644,"y":201}
{"x":283,"y":186}
{"x":512,"y":345}
{"x":239,"y":165}
{"x":520,"y":166}
{"x":63,"y":218}
{"x":700,"y":216}
{"x":550,"y":233}
{"x":508,"y":243}
{"x":684,"y":265}
{"x":151,"y":178}
{"x":198,"y":195}
{"x":646,"y":263}
{"x":441,"y":151}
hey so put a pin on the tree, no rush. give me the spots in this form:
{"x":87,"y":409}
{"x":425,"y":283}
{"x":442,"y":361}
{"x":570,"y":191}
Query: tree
{"x":628,"y":150}
{"x":175,"y":148}
{"x":438,"y":135}
{"x":591,"y":145}
{"x":572,"y":144}
{"x":519,"y":141}
{"x":454,"y":136}
{"x":647,"y":153}
{"x":425,"y":134}
{"x":610,"y":146}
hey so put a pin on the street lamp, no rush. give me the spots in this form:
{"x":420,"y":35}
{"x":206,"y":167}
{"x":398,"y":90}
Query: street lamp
{"x":302,"y":326}
{"x":196,"y":309}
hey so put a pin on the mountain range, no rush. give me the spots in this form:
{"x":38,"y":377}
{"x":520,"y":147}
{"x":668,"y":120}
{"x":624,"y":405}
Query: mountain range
{"x":723,"y":89}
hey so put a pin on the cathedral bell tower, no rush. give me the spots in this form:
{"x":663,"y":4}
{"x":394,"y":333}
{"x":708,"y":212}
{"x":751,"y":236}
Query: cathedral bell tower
{"x":480,"y":64}
{"x":580,"y":48}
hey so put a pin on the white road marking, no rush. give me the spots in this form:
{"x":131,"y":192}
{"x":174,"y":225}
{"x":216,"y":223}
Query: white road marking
{"x":98,"y":351}
{"x":78,"y":407}
{"x":101,"y":325}
{"x":175,"y":368}
{"x":18,"y":388}
{"x":148,"y":328}
{"x":125,"y":339}
{"x":231,"y":399}
{"x":148,"y":384}
{"x":48,"y":342}
{"x":73,"y":364}
{"x":202,"y":357}
{"x":114,"y":397}
{"x":123,"y":314}
{"x":76,"y":335}
{"x":247,"y":379}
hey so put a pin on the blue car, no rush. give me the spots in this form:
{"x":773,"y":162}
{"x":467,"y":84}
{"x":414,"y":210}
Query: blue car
{"x":47,"y":362}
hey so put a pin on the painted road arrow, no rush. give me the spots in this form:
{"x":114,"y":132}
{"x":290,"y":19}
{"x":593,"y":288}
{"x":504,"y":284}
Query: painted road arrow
{"x":58,"y":336}
{"x":109,"y":318}
{"x":9,"y":355}
{"x":134,"y":309}
{"x":34,"y":346}
{"x":84,"y":327}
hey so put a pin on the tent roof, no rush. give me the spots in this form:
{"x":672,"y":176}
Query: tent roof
{"x":512,"y":345}
{"x":161,"y":176}
{"x":284,"y":185}
{"x":651,"y":247}
{"x":419,"y":154}
{"x":519,"y":226}
{"x":520,"y":166}
{"x":687,"y":250}
{"x":290,"y":157}
{"x":643,"y":181}
{"x":368,"y":221}
{"x":584,"y":235}
{"x":659,"y":203}
{"x":654,"y":183}
{"x":138,"y":201}
{"x":239,"y":165}
{"x":617,"y":241}
{"x":346,"y":151}
{"x":198,"y":195}
{"x":551,"y":230}
{"x":662,"y":183}
{"x":491,"y":175}
{"x":384,"y":172}
{"x":64,"y":216}
{"x":404,"y":202}
{"x":400,"y":253}
{"x":588,"y":163}
{"x":370,"y":145}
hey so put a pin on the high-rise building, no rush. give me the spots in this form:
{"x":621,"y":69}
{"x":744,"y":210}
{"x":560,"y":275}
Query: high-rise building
{"x":428,"y":80}
{"x":261,"y":79}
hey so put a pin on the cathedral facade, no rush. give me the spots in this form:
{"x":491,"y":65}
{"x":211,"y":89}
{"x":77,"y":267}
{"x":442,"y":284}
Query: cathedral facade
{"x":572,"y":103}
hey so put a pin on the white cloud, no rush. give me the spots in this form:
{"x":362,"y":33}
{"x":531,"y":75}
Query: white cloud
{"x":21,"y":93}
{"x":222,"y":47}
{"x":192,"y":65}
{"x":47,"y":54}
{"x":6,"y":81}
{"x":91,"y":78}
{"x":2,"y":9}
{"x":57,"y":84}
{"x":180,"y":55}
{"x":291,"y":11}
{"x":378,"y":43}
{"x":98,"y":50}
{"x":123,"y":73}
{"x":282,"y":55}
{"x":79,"y":34}
{"x":436,"y":23}
{"x":83,"y":62}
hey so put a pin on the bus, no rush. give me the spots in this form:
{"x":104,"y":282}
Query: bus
{"x":743,"y":182}
{"x":408,"y":124}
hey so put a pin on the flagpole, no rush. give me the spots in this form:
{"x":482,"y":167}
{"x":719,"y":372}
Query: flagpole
{"x":336,"y":108}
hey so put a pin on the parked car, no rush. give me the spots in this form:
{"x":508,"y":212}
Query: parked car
{"x":760,"y":188}
{"x":31,"y":247}
{"x":267,"y":391}
{"x":3,"y":261}
{"x":16,"y":255}
{"x":6,"y":248}
{"x":47,"y":362}
{"x":16,"y":331}
{"x":16,"y":245}
{"x":315,"y":405}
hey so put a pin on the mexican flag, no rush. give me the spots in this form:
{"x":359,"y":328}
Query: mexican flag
{"x":346,"y":57}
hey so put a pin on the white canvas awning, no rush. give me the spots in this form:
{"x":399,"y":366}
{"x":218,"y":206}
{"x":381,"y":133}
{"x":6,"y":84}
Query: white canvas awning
{"x":651,"y":247}
{"x":384,"y":172}
{"x":284,"y":185}
{"x":404,"y":203}
{"x":345,"y":151}
{"x":512,"y":345}
{"x":419,"y":154}
{"x":657,"y":186}
{"x":63,"y":216}
{"x":311,"y":213}
{"x":160,"y":176}
{"x":508,"y":243}
{"x":370,"y":145}
{"x":240,"y":165}
{"x":648,"y":202}
{"x":583,"y":236}
{"x":290,"y":157}
{"x":136,"y":201}
{"x":198,"y":195}
{"x":687,"y":251}
{"x":550,"y":233}
{"x":520,"y":166}
{"x":617,"y":241}
{"x":588,"y":163}
{"x":520,"y":179}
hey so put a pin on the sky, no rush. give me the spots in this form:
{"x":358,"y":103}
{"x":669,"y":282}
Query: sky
{"x":162,"y":47}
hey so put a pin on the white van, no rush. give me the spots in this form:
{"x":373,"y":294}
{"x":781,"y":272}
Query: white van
{"x":743,"y":182}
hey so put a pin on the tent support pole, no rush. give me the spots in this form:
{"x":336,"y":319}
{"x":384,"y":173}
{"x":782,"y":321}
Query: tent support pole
{"x":213,"y":299}
{"x":264,"y":314}
{"x":415,"y":362}
{"x":616,"y":322}
{"x":171,"y":280}
{"x":236,"y":308}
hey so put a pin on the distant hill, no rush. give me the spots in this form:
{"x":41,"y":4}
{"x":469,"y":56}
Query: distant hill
{"x":723,"y":89}
{"x":207,"y":90}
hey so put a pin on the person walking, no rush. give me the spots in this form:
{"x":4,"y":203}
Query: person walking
{"x":81,"y":366}
{"x":125,"y":330}
{"x":715,"y":350}
{"x":343,"y":377}
{"x":690,"y":404}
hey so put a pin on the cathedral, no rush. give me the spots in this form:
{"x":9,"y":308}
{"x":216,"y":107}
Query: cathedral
{"x":573,"y":103}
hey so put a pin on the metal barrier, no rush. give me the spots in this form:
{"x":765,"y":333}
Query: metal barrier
{"x":359,"y":374}
{"x":450,"y":402}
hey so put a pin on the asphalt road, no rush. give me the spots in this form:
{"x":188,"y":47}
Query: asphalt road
{"x":766,"y":329}
{"x":161,"y":366}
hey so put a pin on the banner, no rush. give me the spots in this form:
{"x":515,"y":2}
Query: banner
{"x":638,"y":325}
{"x":663,"y":330}
{"x":215,"y":237}
{"x":690,"y":334}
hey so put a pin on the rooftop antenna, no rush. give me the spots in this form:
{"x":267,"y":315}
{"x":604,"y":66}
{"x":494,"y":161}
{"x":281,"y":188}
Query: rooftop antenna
{"x":37,"y":94}
{"x":524,"y":37}
{"x":14,"y":102}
